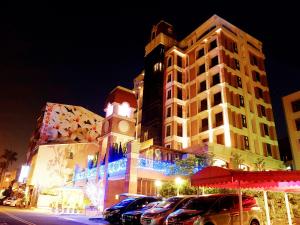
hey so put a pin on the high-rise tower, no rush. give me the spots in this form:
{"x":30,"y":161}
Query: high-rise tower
{"x":209,"y":91}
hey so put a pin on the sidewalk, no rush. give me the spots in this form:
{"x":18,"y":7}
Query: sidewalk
{"x":81,"y":218}
{"x":84,"y":219}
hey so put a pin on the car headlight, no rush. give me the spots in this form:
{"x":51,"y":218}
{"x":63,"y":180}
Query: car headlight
{"x":161,"y":214}
{"x":115,"y":211}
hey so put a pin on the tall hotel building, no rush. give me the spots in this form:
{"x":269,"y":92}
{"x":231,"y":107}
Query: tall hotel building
{"x":291,"y":105}
{"x":207,"y":92}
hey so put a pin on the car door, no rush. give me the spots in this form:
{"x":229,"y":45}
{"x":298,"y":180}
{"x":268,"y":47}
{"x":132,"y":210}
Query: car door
{"x":220,"y":213}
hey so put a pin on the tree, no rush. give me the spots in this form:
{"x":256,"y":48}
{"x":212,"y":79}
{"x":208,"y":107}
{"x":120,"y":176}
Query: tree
{"x":190,"y":165}
{"x":260,"y":164}
{"x":9,"y":157}
{"x":237,"y":160}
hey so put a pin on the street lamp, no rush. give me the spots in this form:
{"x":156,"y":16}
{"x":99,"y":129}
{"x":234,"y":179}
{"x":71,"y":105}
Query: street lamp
{"x":157,"y":184}
{"x":178,"y":181}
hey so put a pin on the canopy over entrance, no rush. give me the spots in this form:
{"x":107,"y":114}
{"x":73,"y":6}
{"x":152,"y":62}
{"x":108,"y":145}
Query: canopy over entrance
{"x":279,"y":181}
{"x":213,"y":176}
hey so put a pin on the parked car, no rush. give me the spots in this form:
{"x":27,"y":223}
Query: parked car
{"x":133,"y":217}
{"x":218,"y":209}
{"x":11,"y":201}
{"x":113,"y":214}
{"x":157,"y":215}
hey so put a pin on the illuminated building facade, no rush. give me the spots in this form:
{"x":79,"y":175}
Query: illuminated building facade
{"x":291,"y":105}
{"x":215,"y":94}
{"x":207,"y":93}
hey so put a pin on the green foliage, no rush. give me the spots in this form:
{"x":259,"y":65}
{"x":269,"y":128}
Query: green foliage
{"x":237,"y":160}
{"x":184,"y":166}
{"x":260,"y":164}
{"x":187,"y":166}
{"x":168,"y":189}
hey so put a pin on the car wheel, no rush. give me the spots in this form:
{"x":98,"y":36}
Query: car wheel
{"x":254,"y":222}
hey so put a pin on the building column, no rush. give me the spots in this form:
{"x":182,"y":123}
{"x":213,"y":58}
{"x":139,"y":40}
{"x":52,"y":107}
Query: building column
{"x":133,"y":149}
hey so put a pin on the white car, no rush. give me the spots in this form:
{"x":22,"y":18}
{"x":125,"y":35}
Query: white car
{"x":10,"y":201}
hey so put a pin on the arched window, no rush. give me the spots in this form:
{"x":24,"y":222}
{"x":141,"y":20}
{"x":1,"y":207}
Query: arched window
{"x":109,"y":109}
{"x":169,"y":61}
{"x":220,"y":163}
{"x":124,"y":109}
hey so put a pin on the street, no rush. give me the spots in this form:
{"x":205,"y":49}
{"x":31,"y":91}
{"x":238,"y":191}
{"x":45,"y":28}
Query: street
{"x":15,"y":216}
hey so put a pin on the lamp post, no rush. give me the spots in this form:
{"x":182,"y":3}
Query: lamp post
{"x":157,"y":184}
{"x":178,"y":181}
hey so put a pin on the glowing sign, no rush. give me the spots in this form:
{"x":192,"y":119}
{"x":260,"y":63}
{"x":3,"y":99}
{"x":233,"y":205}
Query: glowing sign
{"x":24,"y":174}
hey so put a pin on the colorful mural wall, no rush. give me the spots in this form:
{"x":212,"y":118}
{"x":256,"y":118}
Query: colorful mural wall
{"x":61,"y":123}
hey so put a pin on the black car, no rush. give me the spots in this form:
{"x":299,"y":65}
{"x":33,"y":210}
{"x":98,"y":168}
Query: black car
{"x":133,"y":217}
{"x":114,"y":213}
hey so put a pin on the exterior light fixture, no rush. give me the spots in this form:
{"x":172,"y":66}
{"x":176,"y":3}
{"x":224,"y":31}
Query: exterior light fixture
{"x":178,"y":181}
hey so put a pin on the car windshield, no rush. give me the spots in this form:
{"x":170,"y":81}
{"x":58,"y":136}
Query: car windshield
{"x":124,"y":202}
{"x":201,"y":204}
{"x":151,"y":205}
{"x":169,"y":203}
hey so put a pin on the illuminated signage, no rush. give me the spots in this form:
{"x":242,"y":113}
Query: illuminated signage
{"x":24,"y":174}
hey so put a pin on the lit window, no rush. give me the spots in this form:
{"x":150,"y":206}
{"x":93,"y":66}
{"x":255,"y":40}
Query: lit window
{"x":124,"y":109}
{"x":220,"y":163}
{"x":109,"y":109}
{"x":158,"y":66}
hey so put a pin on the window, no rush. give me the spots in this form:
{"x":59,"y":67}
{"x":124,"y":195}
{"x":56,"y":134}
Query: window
{"x":266,"y":129}
{"x":204,"y":124}
{"x":237,"y":64}
{"x":219,"y":119}
{"x":213,"y":44}
{"x":263,"y":110}
{"x":179,"y":93}
{"x":239,"y":81}
{"x":158,"y":66}
{"x":203,"y":104}
{"x":214,"y":61}
{"x":244,"y":121}
{"x":201,"y":69}
{"x":179,"y":61}
{"x":202,"y":86}
{"x":169,"y":62}
{"x":179,"y":76}
{"x":179,"y":111}
{"x":260,"y":93}
{"x":169,"y":94}
{"x":242,"y":102}
{"x":234,"y":46}
{"x":216,"y":79}
{"x":168,"y":132}
{"x":220,"y":139}
{"x":256,"y":76}
{"x":246,"y":141}
{"x":200,"y":53}
{"x":269,"y":151}
{"x":179,"y":130}
{"x":297,"y":122}
{"x":169,"y":112}
{"x":217,"y":98}
{"x":169,"y":78}
{"x":296,"y":106}
{"x":253,"y":60}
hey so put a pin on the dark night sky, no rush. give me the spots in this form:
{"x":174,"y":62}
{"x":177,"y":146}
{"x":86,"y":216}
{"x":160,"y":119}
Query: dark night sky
{"x":77,"y":53}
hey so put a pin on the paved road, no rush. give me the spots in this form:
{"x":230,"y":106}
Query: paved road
{"x":14,"y":216}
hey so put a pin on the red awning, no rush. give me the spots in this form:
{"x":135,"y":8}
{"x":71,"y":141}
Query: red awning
{"x":217,"y":177}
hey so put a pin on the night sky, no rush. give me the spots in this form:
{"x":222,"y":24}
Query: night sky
{"x":77,"y":53}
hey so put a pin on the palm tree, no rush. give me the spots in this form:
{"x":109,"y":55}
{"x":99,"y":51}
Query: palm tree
{"x":9,"y":157}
